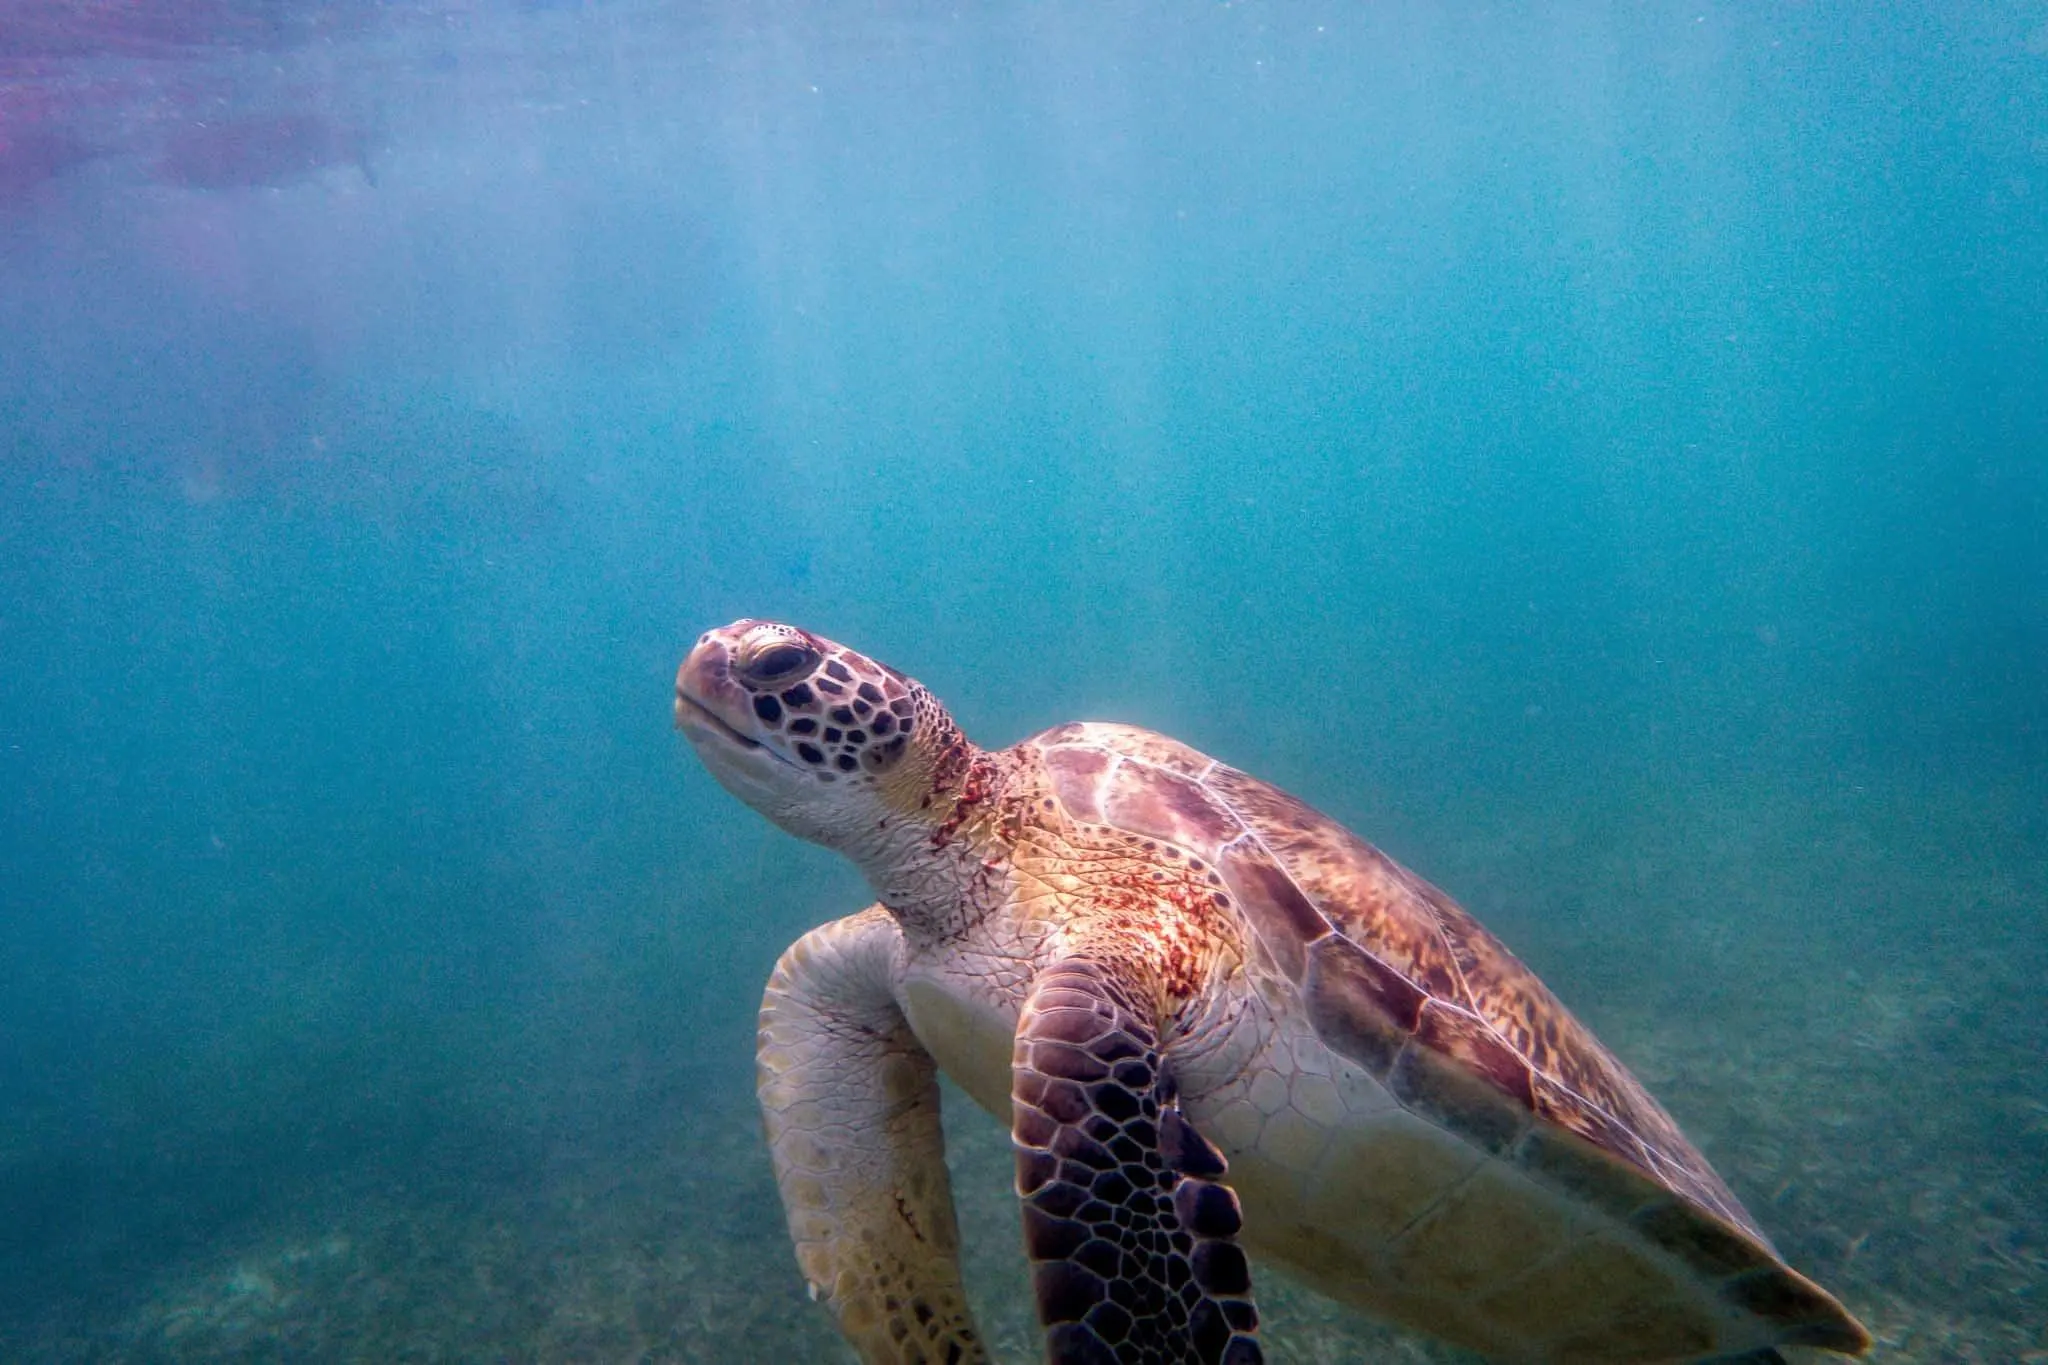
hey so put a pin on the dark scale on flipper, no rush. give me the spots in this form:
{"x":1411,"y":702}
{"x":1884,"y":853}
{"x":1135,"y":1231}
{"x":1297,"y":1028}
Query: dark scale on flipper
{"x":1131,"y":1237}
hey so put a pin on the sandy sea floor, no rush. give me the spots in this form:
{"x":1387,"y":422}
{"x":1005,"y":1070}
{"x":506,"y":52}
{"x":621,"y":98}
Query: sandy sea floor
{"x":1869,"y":1080}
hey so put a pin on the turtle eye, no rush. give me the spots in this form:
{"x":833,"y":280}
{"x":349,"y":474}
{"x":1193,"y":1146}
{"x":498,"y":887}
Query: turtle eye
{"x":778,"y":663}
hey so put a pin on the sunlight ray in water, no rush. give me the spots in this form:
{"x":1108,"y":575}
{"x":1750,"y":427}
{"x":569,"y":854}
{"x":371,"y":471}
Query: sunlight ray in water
{"x":1595,"y":453}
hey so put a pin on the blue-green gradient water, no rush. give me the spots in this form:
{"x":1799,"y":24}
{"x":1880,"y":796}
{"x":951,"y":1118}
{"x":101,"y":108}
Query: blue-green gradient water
{"x":1600,"y":452}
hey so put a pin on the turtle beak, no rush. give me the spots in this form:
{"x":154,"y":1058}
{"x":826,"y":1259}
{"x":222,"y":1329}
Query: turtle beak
{"x":707,"y":698}
{"x":715,"y":713}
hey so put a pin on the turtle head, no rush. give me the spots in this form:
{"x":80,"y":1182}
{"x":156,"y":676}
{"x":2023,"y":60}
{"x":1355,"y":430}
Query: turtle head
{"x":824,"y":741}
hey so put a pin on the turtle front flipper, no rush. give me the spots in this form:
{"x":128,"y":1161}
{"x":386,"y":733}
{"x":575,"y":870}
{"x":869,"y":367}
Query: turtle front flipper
{"x":852,"y":1107}
{"x":1132,"y":1239}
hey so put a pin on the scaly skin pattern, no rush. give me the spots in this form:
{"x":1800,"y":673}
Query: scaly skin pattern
{"x":1131,"y":1236}
{"x":1183,"y":988}
{"x":851,"y":1104}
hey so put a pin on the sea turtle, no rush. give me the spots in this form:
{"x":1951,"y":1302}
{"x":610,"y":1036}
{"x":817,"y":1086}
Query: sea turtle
{"x":1164,"y":975}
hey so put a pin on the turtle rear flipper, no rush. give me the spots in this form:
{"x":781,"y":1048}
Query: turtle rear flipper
{"x":1132,"y":1240}
{"x":852,"y":1107}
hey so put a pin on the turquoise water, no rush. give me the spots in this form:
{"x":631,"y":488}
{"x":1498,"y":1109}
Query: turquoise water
{"x":1599,"y":456}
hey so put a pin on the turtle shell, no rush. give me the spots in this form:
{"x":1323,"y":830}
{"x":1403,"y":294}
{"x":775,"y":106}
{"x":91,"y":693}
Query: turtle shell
{"x":1399,"y":980}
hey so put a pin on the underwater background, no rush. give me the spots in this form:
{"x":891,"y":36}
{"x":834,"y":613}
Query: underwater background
{"x":1597,"y":451}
